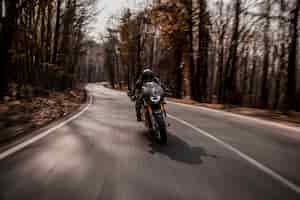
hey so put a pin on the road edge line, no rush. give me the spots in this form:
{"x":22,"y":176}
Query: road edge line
{"x":253,"y":119}
{"x":249,"y":159}
{"x":18,"y":147}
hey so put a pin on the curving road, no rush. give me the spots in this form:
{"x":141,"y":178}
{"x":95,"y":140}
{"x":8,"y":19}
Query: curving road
{"x":104,"y":154}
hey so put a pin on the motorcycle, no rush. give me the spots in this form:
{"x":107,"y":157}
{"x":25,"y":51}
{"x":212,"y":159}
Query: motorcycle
{"x":154,"y":112}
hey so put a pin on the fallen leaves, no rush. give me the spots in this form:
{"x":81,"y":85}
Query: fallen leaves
{"x":21,"y":116}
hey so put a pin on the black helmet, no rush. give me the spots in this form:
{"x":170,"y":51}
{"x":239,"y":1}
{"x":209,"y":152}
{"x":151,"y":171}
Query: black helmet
{"x":148,"y":75}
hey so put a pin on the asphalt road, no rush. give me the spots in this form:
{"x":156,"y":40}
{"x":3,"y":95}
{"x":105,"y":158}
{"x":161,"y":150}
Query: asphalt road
{"x":104,"y":154}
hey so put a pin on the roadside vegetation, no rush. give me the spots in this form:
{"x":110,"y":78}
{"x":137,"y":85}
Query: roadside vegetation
{"x":42,"y":45}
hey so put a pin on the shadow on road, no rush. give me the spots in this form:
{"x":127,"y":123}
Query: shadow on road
{"x":178,"y":150}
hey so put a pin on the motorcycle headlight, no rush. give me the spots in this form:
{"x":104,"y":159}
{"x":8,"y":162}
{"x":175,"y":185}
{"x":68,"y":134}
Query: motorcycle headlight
{"x":155,"y":99}
{"x":157,"y":91}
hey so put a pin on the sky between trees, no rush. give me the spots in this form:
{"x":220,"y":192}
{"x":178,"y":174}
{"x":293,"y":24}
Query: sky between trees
{"x":115,"y":7}
{"x":112,"y":7}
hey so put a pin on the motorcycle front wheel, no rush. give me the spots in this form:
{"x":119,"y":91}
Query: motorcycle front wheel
{"x":162,"y":128}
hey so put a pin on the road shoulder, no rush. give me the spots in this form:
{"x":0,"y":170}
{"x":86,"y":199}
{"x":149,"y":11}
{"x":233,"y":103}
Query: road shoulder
{"x":281,"y":120}
{"x":33,"y":135}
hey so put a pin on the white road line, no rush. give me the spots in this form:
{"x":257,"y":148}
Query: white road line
{"x":21,"y":146}
{"x":228,"y":114}
{"x":251,"y":160}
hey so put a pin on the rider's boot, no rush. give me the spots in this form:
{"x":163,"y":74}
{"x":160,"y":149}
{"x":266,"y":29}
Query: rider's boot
{"x":138,"y":117}
{"x":138,"y":114}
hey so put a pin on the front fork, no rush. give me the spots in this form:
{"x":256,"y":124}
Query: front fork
{"x":165,"y":113}
{"x":150,"y":118}
{"x":163,"y":109}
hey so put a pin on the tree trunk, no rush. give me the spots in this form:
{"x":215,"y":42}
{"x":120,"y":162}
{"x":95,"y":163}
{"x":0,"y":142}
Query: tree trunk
{"x":202,"y":57}
{"x":245,"y":72}
{"x":264,"y":86}
{"x":186,"y":77}
{"x":49,"y":33}
{"x":220,"y":73}
{"x":56,"y":35}
{"x":7,"y":28}
{"x":291,"y":83}
{"x":178,"y":71}
{"x":42,"y":33}
{"x":231,"y":68}
{"x":282,"y":65}
{"x":188,"y":69}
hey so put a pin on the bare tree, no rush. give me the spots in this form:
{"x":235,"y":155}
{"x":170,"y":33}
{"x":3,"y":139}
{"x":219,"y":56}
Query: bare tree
{"x":282,"y":54}
{"x":230,"y":94}
{"x":57,"y":28}
{"x":291,"y":83}
{"x":264,"y":86}
{"x":201,"y":74}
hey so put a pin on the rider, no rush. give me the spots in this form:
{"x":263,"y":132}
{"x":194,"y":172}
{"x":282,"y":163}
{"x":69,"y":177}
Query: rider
{"x":146,"y":76}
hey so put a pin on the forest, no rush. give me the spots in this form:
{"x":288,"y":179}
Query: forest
{"x":237,"y":52}
{"x":233,"y":52}
{"x":41,"y":43}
